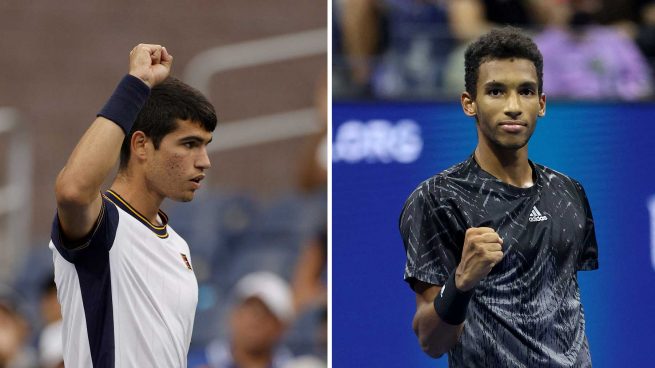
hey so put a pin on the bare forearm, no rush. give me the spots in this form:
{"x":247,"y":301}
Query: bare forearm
{"x":307,"y":285}
{"x":466,"y":19}
{"x":482,"y":250}
{"x":90,"y":163}
{"x":360,"y":27}
{"x":435,"y":336}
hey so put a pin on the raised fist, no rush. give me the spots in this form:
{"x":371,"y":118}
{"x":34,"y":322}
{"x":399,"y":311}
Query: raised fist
{"x":481,"y":252}
{"x":150,"y":63}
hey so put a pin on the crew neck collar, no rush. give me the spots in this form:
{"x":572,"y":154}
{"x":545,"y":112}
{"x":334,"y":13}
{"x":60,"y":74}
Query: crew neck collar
{"x":508,"y":188}
{"x":160,"y":231}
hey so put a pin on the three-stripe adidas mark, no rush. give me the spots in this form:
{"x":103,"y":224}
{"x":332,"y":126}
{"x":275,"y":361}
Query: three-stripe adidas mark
{"x":536,"y":216}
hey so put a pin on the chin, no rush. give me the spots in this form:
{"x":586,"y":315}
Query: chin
{"x":514,"y":146}
{"x":511,"y":144}
{"x":186,"y":197}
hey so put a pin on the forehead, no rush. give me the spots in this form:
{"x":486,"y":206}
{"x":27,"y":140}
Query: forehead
{"x":507,"y":71}
{"x":189,"y":128}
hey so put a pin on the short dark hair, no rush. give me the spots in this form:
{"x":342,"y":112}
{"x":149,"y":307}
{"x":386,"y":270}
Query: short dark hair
{"x":169,"y":101}
{"x":502,"y":43}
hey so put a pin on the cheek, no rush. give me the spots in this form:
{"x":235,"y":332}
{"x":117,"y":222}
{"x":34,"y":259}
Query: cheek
{"x":487,"y":112}
{"x":174,"y":164}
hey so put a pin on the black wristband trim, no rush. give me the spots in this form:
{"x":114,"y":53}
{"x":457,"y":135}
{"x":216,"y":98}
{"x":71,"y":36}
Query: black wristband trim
{"x":126,"y":102}
{"x":451,"y":303}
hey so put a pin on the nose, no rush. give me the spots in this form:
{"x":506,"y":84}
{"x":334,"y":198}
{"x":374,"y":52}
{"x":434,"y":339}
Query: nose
{"x":513,"y":106}
{"x":203,"y":162}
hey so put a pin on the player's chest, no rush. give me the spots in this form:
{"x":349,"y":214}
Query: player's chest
{"x":537,"y":224}
{"x":159,"y":268}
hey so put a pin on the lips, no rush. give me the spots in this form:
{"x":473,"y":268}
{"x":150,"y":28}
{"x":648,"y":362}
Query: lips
{"x":512,"y":126}
{"x":196,"y":181}
{"x":198,"y":178}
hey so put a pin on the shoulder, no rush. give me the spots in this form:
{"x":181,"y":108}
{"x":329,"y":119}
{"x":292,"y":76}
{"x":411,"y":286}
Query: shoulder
{"x":175,"y":237}
{"x":555,"y":178}
{"x":434,"y":194}
{"x":435,"y":187}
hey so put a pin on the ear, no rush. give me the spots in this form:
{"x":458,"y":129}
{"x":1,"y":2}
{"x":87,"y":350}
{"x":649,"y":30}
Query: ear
{"x":468,"y":105}
{"x":138,"y":145}
{"x":542,"y":105}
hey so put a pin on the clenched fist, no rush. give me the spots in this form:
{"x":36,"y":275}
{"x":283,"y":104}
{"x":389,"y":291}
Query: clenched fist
{"x":481,"y":252}
{"x":150,"y":63}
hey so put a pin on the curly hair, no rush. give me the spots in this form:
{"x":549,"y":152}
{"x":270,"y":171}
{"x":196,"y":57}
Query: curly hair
{"x":502,"y":43}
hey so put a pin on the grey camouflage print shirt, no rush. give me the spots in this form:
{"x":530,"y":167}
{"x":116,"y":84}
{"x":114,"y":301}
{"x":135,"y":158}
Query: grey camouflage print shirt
{"x":527,"y":311}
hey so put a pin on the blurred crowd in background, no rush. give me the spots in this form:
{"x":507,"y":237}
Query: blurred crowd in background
{"x":414,"y":49}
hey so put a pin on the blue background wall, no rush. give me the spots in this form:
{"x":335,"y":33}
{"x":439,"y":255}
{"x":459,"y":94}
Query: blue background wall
{"x":607,"y":147}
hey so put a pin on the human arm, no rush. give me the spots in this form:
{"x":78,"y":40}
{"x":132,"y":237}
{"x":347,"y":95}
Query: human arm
{"x":307,"y":285}
{"x":361,"y":36}
{"x":435,"y":336}
{"x":467,"y":19}
{"x":439,"y":318}
{"x":313,"y":165}
{"x":77,"y":188}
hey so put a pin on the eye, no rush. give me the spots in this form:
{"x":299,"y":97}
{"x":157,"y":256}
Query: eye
{"x":528,"y":92}
{"x":495,"y":92}
{"x":189,"y":145}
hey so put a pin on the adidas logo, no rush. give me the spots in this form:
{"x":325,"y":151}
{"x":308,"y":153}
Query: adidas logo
{"x":536,"y":216}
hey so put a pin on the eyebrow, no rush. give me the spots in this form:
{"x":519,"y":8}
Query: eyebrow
{"x":194,"y":138}
{"x":496,"y":84}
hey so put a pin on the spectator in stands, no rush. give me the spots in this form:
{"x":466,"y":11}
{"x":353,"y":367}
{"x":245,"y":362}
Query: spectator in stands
{"x":469,"y":19}
{"x":258,"y":320}
{"x":583,"y":59}
{"x":400,"y":48}
{"x":14,"y":331}
{"x":317,"y":357}
{"x":395,"y":47}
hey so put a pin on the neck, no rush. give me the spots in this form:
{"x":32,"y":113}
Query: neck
{"x":137,"y":193}
{"x":245,"y":358}
{"x":510,"y":166}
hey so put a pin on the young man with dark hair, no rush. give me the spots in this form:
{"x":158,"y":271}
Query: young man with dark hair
{"x":124,"y":278}
{"x":494,"y":243}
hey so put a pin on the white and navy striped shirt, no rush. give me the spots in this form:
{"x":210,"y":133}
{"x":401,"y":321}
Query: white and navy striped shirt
{"x":128,"y":295}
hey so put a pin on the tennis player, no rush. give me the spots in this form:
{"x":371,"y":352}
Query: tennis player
{"x":494,"y":243}
{"x":124,"y":278}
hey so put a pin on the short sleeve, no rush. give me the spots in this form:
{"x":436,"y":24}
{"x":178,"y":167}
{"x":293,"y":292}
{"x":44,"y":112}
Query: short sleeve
{"x":431,"y":236}
{"x":100,"y":239}
{"x":588,"y":256}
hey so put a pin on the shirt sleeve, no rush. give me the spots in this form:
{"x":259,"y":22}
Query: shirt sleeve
{"x":588,"y":256}
{"x":100,"y":239}
{"x":431,"y":236}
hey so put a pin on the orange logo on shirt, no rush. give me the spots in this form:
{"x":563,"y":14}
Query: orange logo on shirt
{"x":186,"y":261}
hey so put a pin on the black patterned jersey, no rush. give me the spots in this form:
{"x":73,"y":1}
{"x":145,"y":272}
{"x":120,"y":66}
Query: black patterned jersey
{"x":527,"y":311}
